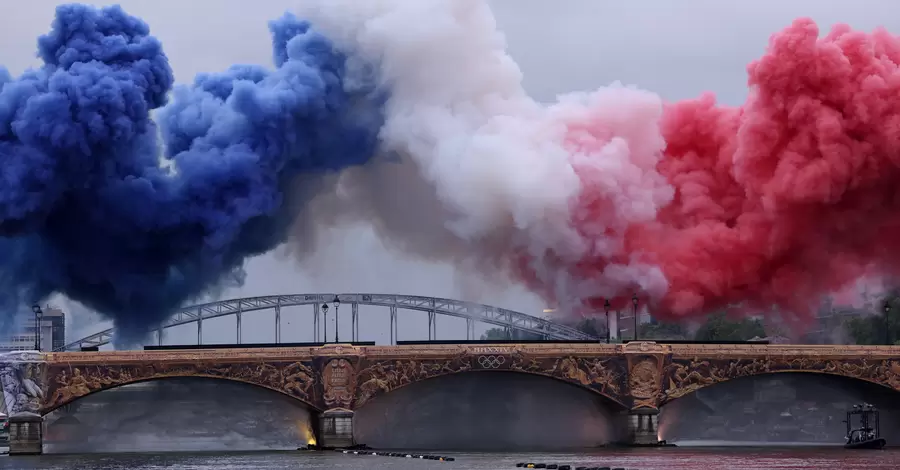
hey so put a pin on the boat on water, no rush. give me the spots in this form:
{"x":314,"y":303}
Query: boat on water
{"x":867,"y":435}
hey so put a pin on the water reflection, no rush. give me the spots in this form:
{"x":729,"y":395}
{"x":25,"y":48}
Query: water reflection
{"x":644,"y":459}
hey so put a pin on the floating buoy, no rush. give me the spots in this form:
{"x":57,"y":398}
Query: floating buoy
{"x":402,"y":455}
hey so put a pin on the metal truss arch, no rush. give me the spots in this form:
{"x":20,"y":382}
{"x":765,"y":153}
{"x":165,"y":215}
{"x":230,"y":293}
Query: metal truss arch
{"x":432,"y":305}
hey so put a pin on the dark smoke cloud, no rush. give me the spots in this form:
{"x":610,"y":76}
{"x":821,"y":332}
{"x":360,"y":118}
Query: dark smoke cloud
{"x":133,"y":218}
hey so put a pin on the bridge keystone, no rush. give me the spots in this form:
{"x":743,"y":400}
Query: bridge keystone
{"x":645,"y":361}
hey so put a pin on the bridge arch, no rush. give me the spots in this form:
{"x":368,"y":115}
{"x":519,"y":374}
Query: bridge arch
{"x":488,"y":410}
{"x":367,"y":394}
{"x":684,"y":377}
{"x":776,"y":407}
{"x":180,"y":414}
{"x":604,"y":377}
{"x":432,"y":306}
{"x":71,"y":383}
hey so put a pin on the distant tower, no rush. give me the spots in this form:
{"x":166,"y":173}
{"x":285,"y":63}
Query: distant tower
{"x":54,"y":323}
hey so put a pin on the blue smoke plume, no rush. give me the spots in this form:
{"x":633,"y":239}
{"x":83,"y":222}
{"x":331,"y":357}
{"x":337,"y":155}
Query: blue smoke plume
{"x":133,"y":216}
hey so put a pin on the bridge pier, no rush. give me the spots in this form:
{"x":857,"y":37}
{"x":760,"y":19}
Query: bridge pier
{"x":21,"y":384}
{"x":336,"y":428}
{"x":641,"y":427}
{"x":26,"y":436}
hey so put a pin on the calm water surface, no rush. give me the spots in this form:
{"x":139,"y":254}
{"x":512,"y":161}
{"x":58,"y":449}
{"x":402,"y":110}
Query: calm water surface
{"x":640,"y":459}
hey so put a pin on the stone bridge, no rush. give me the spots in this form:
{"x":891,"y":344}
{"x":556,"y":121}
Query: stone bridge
{"x":334,"y":380}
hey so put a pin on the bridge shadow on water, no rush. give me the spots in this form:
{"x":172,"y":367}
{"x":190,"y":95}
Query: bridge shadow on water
{"x":795,"y":408}
{"x":179,"y":414}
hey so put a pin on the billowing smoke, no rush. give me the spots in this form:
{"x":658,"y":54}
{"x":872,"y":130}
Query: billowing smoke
{"x":768,"y":207}
{"x":94,"y":205}
{"x":486,"y":176}
{"x":411,"y":115}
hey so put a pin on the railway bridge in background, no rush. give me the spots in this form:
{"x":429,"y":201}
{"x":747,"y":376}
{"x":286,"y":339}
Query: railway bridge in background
{"x":318,"y":304}
{"x":334,"y":380}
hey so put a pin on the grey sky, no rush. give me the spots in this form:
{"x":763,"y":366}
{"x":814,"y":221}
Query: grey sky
{"x":677,"y":49}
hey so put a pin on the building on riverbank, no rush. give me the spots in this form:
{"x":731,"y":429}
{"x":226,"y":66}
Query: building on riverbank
{"x":52,"y":332}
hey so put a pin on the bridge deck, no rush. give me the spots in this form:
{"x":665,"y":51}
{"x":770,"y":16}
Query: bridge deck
{"x":636,"y":375}
{"x":717,"y":351}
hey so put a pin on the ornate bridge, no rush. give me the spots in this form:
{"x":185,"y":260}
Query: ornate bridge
{"x":334,"y":380}
{"x":431,"y":306}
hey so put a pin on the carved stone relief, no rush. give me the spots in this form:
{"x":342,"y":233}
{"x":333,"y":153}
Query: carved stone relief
{"x":640,"y":374}
{"x":339,"y":382}
{"x":643,"y":382}
{"x":21,"y":377}
{"x":70,"y":381}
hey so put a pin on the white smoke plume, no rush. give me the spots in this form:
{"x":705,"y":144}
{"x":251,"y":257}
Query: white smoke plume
{"x":485,"y":176}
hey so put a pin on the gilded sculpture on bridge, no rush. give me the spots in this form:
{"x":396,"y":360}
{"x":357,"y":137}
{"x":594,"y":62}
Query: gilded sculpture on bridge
{"x":390,"y":374}
{"x":296,"y":379}
{"x":598,"y":374}
{"x":635,"y":375}
{"x":644,"y":382}
{"x":604,"y":375}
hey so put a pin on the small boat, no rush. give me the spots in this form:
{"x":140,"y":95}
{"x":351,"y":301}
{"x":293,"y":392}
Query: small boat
{"x":868,"y":434}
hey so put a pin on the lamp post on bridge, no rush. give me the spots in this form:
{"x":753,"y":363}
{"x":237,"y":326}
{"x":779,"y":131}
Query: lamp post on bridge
{"x":887,"y":322}
{"x":38,"y":315}
{"x":325,"y":321}
{"x":634,"y":301}
{"x":337,"y":318}
{"x":606,"y":306}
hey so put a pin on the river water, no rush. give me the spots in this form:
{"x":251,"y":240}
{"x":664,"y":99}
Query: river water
{"x":639,"y":459}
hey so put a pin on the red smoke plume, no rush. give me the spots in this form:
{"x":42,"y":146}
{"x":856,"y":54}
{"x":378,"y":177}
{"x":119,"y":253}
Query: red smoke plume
{"x":783,"y":200}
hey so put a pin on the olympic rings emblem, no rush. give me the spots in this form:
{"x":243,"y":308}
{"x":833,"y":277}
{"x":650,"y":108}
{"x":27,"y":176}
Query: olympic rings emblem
{"x":491,"y":362}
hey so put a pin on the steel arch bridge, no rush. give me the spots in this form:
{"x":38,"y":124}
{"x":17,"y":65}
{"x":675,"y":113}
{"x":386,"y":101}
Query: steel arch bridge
{"x":432,"y":306}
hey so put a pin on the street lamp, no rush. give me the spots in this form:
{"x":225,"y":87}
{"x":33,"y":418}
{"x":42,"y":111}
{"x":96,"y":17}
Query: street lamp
{"x":325,"y":322}
{"x":38,"y":314}
{"x":337,"y":318}
{"x":606,"y":306}
{"x":634,"y":301}
{"x":887,"y":324}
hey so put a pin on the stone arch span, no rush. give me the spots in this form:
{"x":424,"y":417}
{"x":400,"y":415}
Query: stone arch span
{"x":683,"y":376}
{"x":776,"y":408}
{"x":180,"y":414}
{"x":602,"y":376}
{"x":69,"y":383}
{"x":488,"y":410}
